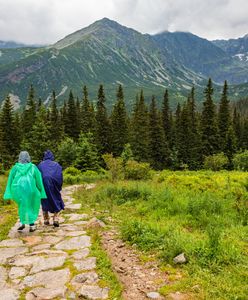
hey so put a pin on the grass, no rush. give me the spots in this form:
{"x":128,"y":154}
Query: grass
{"x":203,"y":214}
{"x":8,"y":211}
{"x":104,"y":270}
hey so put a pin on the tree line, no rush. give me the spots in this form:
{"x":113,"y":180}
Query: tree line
{"x":165,"y":139}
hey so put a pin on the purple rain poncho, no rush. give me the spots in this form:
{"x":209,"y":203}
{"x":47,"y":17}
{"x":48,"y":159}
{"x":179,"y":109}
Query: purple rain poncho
{"x":52,"y":179}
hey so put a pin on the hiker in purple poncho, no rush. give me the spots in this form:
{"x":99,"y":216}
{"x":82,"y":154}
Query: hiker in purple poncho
{"x":52,"y":179}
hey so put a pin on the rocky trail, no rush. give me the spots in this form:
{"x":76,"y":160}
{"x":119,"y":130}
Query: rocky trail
{"x":55,"y":263}
{"x":50,"y":263}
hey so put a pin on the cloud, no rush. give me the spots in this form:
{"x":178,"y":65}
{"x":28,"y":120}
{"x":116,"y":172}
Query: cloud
{"x":46,"y":21}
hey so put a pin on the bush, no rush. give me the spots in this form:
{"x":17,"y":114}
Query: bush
{"x":115,"y":166}
{"x":137,"y":171}
{"x":72,"y":171}
{"x":67,"y":152}
{"x":215,"y":162}
{"x":240,"y":161}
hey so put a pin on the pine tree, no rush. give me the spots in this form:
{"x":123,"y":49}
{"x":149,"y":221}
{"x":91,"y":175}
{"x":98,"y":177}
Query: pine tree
{"x":230,"y":146}
{"x":223,"y":117}
{"x":119,"y":124}
{"x":166,"y":120}
{"x":139,"y":130}
{"x":157,"y":150}
{"x":38,"y":140}
{"x":194,"y":143}
{"x":8,"y":147}
{"x":55,"y":124}
{"x":29,"y":114}
{"x":87,"y":156}
{"x":209,"y":130}
{"x":102,"y":124}
{"x":237,"y":128}
{"x":72,"y":127}
{"x":87,"y":114}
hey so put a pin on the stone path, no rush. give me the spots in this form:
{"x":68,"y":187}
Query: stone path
{"x":51,"y":263}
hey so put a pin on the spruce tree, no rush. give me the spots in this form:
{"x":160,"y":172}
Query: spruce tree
{"x":87,"y":114}
{"x":223,"y":117}
{"x":209,"y":129}
{"x":237,"y":126}
{"x":29,"y":113}
{"x":139,"y":130}
{"x":194,"y":143}
{"x":8,"y":147}
{"x":166,"y":120}
{"x":230,"y":146}
{"x":55,"y":124}
{"x":72,"y":126}
{"x":102,"y":124}
{"x":38,"y":140}
{"x":157,"y":150}
{"x":119,"y":124}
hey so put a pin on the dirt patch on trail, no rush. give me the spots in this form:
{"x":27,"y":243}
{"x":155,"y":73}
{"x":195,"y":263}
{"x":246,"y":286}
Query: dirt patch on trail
{"x":138,"y":278}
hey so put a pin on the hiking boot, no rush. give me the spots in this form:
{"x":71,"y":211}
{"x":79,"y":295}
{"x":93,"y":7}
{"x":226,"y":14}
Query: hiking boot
{"x":21,"y":227}
{"x":32,"y":228}
{"x":56,"y":223}
{"x":46,"y":223}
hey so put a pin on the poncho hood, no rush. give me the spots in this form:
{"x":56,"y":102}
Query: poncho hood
{"x":48,"y":155}
{"x":23,"y":168}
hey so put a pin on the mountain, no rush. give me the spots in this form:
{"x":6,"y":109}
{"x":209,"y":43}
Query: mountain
{"x":10,"y":44}
{"x":203,"y":57}
{"x":235,"y":47}
{"x":109,"y":53}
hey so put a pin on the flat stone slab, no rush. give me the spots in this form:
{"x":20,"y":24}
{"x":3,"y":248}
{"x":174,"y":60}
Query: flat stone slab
{"x":74,"y":206}
{"x":11,"y":243}
{"x":52,"y":239}
{"x":3,"y":277}
{"x":77,"y":217}
{"x":74,"y":243}
{"x":46,"y":293}
{"x":47,"y":263}
{"x":48,"y":279}
{"x":81,"y":254}
{"x":32,"y":240}
{"x":84,"y":278}
{"x":41,"y":247}
{"x":6,"y":253}
{"x":81,"y":223}
{"x":16,"y":272}
{"x":75,"y":233}
{"x":9,"y":294}
{"x":93,"y":292}
{"x":86,"y":264}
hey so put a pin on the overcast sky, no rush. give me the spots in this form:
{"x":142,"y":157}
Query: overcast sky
{"x":46,"y":21}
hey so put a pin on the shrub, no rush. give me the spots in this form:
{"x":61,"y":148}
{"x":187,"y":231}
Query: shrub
{"x":215,"y":162}
{"x":72,"y":171}
{"x":115,"y":166}
{"x":240,"y":161}
{"x":67,"y":152}
{"x":86,"y":156}
{"x":137,"y":171}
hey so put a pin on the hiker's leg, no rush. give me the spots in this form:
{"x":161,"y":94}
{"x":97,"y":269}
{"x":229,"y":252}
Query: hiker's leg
{"x":46,"y":217}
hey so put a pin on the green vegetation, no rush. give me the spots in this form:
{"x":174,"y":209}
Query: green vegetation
{"x":203,"y":214}
{"x":8,"y":211}
{"x":104,"y":269}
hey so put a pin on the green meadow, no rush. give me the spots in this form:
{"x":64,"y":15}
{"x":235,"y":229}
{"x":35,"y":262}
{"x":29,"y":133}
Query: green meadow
{"x":202,"y":214}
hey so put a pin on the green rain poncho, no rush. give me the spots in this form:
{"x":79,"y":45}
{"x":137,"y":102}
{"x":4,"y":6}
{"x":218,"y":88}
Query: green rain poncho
{"x":26,"y":188}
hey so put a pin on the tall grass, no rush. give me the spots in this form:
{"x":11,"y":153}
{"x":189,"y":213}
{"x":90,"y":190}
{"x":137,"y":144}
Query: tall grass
{"x":202,"y":214}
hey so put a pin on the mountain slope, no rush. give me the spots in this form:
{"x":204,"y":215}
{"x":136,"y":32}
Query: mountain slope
{"x":235,"y":47}
{"x":203,"y":57}
{"x":104,"y":52}
{"x":109,"y":53}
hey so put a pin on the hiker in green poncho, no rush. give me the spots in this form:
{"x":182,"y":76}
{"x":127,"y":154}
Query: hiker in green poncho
{"x":26,"y":188}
